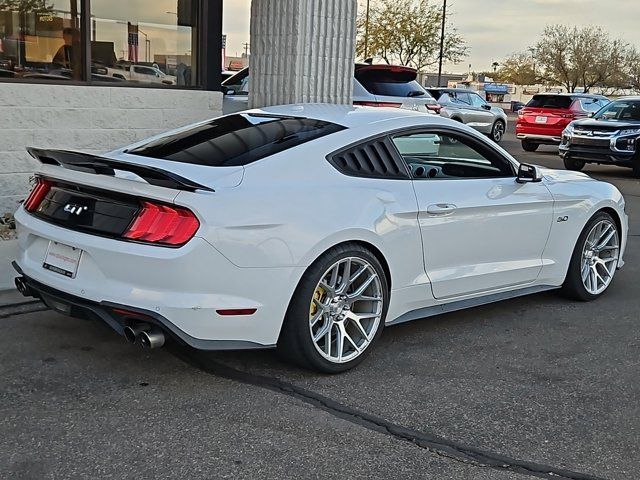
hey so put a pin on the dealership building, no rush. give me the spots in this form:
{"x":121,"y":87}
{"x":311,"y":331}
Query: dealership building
{"x":92,"y":75}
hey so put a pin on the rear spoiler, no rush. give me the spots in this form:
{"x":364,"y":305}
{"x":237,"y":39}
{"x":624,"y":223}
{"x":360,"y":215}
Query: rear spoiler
{"x":85,"y":162}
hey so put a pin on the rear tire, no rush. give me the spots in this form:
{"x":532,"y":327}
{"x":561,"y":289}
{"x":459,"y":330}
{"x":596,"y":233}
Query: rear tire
{"x":594,"y":260}
{"x":529,"y":146}
{"x":330,"y":326}
{"x":572,"y":164}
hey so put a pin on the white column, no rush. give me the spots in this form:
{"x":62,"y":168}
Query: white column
{"x":302,"y":51}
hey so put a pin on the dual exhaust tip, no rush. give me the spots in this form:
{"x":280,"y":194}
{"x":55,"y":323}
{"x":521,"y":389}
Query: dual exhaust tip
{"x":144,"y":334}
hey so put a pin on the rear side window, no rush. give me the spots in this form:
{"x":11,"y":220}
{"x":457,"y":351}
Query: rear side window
{"x":236,"y":140}
{"x":550,"y":101}
{"x":391,"y":83}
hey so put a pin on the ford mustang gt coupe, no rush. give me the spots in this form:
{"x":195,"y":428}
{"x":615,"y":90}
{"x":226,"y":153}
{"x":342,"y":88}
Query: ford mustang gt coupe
{"x":308,"y":228}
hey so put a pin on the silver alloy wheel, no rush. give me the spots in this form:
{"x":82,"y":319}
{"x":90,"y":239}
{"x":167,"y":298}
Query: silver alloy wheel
{"x":346,"y":310}
{"x":498,"y":131}
{"x":600,"y":257}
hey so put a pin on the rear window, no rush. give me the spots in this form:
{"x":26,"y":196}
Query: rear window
{"x":550,"y":101}
{"x":391,"y":83}
{"x":236,"y":140}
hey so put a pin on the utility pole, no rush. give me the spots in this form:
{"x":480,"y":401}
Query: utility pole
{"x":366,"y":33}
{"x":444,"y":21}
{"x":246,"y":49}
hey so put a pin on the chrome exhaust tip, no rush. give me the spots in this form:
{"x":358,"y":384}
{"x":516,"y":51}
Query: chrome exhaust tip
{"x":23,"y":288}
{"x":132,"y":332}
{"x":152,"y":339}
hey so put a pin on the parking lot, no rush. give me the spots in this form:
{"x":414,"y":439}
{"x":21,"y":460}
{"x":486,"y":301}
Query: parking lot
{"x":532,"y":387}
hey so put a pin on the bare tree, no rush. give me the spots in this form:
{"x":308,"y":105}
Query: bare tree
{"x":579,"y":56}
{"x":407,"y":32}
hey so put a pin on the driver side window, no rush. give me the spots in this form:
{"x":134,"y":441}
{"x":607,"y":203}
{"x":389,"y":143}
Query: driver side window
{"x":440,"y":155}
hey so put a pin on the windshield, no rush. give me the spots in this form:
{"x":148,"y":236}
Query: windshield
{"x":550,"y":101}
{"x":620,"y":110}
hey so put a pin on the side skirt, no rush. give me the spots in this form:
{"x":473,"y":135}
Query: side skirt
{"x":468,"y":303}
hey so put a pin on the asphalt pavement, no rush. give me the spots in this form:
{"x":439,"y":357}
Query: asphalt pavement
{"x":536,"y":387}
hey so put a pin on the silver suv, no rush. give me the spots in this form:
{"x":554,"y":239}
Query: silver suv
{"x":373,"y":86}
{"x":471,"y":109}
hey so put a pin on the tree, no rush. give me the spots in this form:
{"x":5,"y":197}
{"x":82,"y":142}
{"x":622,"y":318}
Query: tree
{"x":25,"y":6}
{"x":519,"y":69}
{"x":579,"y":56}
{"x":632,"y":68}
{"x":407,"y":32}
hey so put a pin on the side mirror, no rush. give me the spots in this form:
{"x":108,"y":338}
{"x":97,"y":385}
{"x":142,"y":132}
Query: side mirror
{"x":529,"y":174}
{"x":486,"y":106}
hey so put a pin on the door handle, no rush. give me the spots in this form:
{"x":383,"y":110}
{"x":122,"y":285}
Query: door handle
{"x":441,"y":209}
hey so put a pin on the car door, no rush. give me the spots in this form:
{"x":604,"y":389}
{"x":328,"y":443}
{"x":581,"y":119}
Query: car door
{"x":482,"y":231}
{"x":482,"y":117}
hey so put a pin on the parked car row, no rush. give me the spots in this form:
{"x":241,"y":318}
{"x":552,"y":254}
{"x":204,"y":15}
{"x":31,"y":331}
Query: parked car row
{"x":587,"y":128}
{"x":396,"y":86}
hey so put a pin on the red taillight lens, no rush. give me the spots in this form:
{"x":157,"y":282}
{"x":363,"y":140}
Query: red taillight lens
{"x":378,"y":104}
{"x":434,"y":108}
{"x":38,"y":193}
{"x":163,"y":224}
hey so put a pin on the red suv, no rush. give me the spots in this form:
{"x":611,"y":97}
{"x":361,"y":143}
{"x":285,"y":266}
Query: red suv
{"x":544,"y":118}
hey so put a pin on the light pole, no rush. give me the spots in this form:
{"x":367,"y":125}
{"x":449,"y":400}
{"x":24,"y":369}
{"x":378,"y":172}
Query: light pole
{"x":444,"y":20}
{"x":366,"y":33}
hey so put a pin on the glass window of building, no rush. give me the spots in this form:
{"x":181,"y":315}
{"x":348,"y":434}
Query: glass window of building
{"x":150,"y":42}
{"x":40,"y":39}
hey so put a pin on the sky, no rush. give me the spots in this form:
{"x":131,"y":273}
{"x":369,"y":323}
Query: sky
{"x":493,"y":29}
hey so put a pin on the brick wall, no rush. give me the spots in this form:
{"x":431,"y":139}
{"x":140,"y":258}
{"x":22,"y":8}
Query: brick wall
{"x":90,"y":119}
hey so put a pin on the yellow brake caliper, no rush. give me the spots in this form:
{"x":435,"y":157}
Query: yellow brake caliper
{"x":318,"y":295}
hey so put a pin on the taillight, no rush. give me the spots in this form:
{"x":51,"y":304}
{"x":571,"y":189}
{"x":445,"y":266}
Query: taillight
{"x":435,"y":108}
{"x":38,"y":193}
{"x":378,"y":104}
{"x":568,"y":115}
{"x":162,"y":224}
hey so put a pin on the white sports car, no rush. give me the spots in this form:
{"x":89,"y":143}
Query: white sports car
{"x":308,"y":228}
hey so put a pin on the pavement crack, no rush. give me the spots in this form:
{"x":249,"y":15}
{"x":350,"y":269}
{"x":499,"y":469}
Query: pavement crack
{"x":438,"y":445}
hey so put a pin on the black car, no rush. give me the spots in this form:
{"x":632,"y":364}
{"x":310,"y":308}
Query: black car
{"x":611,"y":136}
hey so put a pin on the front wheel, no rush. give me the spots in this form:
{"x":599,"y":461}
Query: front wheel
{"x":572,"y":164}
{"x":337,"y":311}
{"x":594,"y":260}
{"x":497,"y":132}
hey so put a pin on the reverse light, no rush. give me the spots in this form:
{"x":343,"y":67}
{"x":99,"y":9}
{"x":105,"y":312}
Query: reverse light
{"x":163,"y":224}
{"x":38,"y":193}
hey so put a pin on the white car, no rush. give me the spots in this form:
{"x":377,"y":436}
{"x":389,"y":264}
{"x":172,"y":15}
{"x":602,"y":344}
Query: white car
{"x":142,"y":74}
{"x":308,"y":228}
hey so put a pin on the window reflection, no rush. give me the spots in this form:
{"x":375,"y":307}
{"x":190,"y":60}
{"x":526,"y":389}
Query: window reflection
{"x":40,"y":39}
{"x":144,"y":41}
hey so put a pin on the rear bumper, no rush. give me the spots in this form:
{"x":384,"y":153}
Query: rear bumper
{"x":183,"y":288}
{"x":539,"y":138}
{"x":112,"y":314}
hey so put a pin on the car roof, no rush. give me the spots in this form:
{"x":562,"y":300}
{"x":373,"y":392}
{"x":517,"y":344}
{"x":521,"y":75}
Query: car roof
{"x":580,"y":95}
{"x":346,"y":115}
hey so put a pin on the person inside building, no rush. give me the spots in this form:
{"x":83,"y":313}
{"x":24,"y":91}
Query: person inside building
{"x":64,"y":56}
